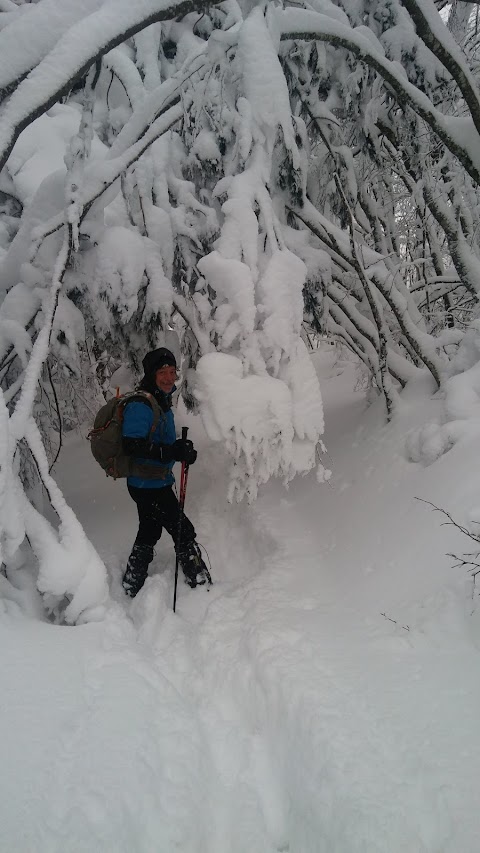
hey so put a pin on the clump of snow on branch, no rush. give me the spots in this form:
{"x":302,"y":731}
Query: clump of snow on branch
{"x":40,"y":150}
{"x":68,"y":332}
{"x":461,"y":407}
{"x":270,"y":429}
{"x":252,"y":415}
{"x":281,"y":303}
{"x":264,"y":402}
{"x":125,"y":262}
{"x":263,"y":75}
{"x":232,"y":281}
{"x":69,"y":566}
{"x":71,"y":575}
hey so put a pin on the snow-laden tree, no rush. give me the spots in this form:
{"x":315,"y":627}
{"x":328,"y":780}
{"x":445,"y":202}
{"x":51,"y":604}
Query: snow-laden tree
{"x":223,"y":172}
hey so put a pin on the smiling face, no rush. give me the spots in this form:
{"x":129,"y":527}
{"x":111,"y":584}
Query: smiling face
{"x":165,"y":378}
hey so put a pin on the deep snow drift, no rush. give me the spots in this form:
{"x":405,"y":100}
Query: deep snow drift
{"x":281,"y":711}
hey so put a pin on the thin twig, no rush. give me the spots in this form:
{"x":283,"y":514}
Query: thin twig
{"x":405,"y":627}
{"x":450,"y":520}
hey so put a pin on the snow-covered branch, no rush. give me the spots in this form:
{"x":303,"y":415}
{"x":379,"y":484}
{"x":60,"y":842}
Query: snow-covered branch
{"x":420,"y":342}
{"x":70,"y":57}
{"x":459,"y":135}
{"x":436,"y":36}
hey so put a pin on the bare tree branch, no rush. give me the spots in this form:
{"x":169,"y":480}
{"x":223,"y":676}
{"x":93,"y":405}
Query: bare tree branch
{"x":450,"y":520}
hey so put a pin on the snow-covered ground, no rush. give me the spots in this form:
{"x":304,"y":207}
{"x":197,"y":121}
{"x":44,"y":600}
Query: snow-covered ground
{"x":322,"y":697}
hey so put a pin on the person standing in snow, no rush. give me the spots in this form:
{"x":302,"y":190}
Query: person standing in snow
{"x":156,"y":502}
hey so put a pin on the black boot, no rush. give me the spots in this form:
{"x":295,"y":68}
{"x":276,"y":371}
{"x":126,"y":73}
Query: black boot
{"x":137,"y":569}
{"x":194,"y":569}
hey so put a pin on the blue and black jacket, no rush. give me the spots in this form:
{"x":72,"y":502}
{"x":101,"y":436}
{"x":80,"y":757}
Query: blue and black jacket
{"x":144,"y":448}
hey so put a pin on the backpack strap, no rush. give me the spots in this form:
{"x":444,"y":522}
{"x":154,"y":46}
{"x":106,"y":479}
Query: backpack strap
{"x":139,"y":469}
{"x":144,"y":397}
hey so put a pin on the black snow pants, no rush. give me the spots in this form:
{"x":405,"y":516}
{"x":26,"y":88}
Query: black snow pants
{"x":158,"y":509}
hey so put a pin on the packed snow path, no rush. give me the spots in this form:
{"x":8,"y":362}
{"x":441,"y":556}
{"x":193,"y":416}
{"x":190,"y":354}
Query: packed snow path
{"x":279,"y":711}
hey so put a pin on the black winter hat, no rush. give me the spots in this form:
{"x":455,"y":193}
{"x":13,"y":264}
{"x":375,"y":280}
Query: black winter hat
{"x":158,"y":358}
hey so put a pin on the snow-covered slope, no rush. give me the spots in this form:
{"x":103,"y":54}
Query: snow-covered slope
{"x":322,"y":697}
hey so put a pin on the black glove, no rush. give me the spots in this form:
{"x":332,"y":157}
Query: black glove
{"x":182,"y":450}
{"x":179,"y":451}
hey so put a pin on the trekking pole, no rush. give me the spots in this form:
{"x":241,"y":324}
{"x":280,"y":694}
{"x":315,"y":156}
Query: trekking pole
{"x":181,"y":504}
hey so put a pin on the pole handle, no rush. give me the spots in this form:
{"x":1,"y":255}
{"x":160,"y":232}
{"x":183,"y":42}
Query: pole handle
{"x":184,"y":433}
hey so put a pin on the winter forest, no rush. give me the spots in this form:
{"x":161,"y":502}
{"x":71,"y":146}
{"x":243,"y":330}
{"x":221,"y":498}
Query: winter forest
{"x":245,"y":183}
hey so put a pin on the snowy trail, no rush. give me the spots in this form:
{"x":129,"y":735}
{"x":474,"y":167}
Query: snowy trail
{"x":279,"y":711}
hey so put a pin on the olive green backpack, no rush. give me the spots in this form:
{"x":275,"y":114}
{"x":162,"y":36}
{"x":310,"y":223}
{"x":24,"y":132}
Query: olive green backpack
{"x":106,"y":439}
